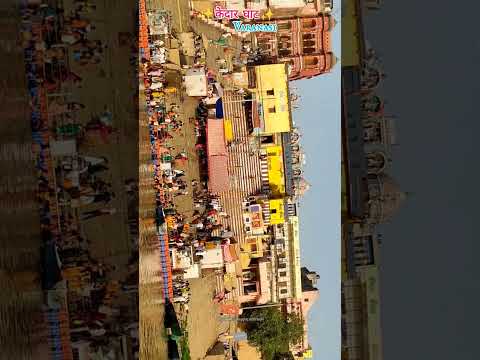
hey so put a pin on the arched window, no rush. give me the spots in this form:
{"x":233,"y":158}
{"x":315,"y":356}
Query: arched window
{"x":308,"y":36}
{"x":308,"y":43}
{"x":309,"y":23}
{"x":310,"y":61}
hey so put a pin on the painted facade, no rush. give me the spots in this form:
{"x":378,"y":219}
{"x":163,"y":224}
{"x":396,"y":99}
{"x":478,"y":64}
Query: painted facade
{"x":369,"y":195}
{"x":270,"y":92}
{"x":304,"y":44}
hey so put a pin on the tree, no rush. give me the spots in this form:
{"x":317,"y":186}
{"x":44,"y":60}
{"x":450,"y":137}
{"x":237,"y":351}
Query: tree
{"x":272,"y":332}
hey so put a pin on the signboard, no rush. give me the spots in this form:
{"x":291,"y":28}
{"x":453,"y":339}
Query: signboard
{"x":253,"y":219}
{"x":257,"y":220}
{"x":229,"y":309}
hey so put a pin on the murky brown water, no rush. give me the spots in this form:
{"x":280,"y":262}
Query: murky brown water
{"x":21,"y":300}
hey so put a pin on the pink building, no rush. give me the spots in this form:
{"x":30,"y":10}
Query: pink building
{"x":302,"y":306}
{"x":282,"y":8}
{"x":302,"y":43}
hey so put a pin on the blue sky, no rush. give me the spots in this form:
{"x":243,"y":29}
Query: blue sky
{"x":319,"y":120}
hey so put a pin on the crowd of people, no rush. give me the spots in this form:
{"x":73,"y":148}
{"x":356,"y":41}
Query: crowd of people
{"x":73,"y":184}
{"x":187,"y":235}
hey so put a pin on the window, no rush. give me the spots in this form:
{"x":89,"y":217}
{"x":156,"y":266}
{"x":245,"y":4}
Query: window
{"x":306,"y":300}
{"x":309,"y":24}
{"x":284,"y":26}
{"x":265,"y":46}
{"x":283,"y":291}
{"x":283,"y":273}
{"x":271,"y":92}
{"x":284,"y":46}
{"x":308,"y":36}
{"x":253,"y":247}
{"x":273,"y":211}
{"x":272,"y":110}
{"x":284,"y":52}
{"x":267,"y":140}
{"x":308,"y":43}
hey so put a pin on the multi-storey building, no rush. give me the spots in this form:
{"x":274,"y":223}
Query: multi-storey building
{"x":271,"y":112}
{"x":263,"y":209}
{"x":361,"y":327}
{"x":282,"y":8}
{"x":369,"y":195}
{"x":304,"y":44}
{"x":301,"y":305}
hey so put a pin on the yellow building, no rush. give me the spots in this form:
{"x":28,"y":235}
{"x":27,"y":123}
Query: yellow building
{"x":272,"y":99}
{"x":228,"y":129}
{"x":276,"y":173}
{"x":277,"y":211}
{"x":308,"y":354}
{"x":253,"y":245}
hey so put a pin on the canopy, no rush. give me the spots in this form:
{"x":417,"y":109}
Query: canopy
{"x":218,"y":180}
{"x":219,"y":109}
{"x":196,"y":82}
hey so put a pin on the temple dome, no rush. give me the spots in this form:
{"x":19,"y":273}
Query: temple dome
{"x":333,"y":60}
{"x":388,"y":200}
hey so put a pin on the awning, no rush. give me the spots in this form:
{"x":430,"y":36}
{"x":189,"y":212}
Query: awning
{"x":219,"y":109}
{"x":228,"y":127}
{"x":218,"y":180}
{"x":229,"y":309}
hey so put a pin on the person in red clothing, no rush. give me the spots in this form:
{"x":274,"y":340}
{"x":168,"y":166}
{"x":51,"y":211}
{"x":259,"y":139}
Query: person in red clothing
{"x":212,"y":212}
